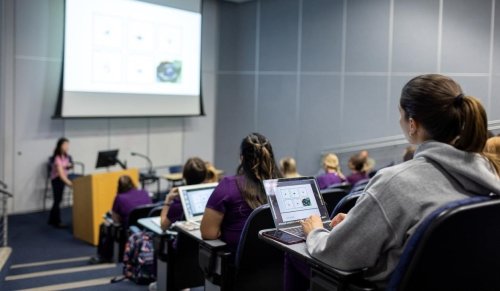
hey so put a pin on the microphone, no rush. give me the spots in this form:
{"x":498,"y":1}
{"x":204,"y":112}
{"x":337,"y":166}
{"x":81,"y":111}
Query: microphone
{"x":150,"y":163}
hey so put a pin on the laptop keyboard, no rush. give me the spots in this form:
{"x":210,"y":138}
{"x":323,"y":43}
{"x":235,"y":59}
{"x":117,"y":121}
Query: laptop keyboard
{"x":298,"y":231}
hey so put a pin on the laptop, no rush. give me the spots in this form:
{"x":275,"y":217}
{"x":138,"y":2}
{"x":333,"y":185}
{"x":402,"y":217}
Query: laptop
{"x":194,"y":200}
{"x":292,"y":200}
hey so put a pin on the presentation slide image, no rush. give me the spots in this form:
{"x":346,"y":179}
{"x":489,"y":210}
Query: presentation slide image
{"x":108,"y":31}
{"x":169,"y":40}
{"x":140,"y":69}
{"x":140,"y":37}
{"x":107,"y":67}
{"x":169,"y":72}
{"x":296,"y":198}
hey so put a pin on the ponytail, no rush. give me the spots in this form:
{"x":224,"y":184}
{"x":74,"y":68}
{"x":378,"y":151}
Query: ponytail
{"x":257,"y":164}
{"x":437,"y":102}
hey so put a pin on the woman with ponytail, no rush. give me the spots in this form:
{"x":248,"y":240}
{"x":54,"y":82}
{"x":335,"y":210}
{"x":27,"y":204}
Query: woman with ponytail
{"x":235,"y":197}
{"x":450,"y":130}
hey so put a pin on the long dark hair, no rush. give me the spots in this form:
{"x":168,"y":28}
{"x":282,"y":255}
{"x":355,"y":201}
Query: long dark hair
{"x":438,"y":103}
{"x":58,"y":150}
{"x":257,"y":164}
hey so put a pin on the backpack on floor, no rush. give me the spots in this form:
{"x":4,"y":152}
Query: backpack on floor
{"x":138,"y":258}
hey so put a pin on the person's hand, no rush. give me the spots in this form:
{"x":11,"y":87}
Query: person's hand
{"x":338,"y":219}
{"x":311,"y":223}
{"x":172,"y":195}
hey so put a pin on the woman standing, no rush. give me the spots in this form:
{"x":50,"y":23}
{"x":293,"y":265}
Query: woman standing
{"x":59,"y":178}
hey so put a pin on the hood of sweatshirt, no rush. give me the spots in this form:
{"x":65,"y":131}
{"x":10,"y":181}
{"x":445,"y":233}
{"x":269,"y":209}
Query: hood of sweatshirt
{"x":471,"y":170}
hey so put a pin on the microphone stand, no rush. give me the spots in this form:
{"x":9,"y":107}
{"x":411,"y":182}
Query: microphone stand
{"x":150,"y":163}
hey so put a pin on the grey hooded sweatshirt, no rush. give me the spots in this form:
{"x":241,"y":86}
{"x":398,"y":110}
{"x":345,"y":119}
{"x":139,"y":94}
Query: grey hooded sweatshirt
{"x":374,"y":233}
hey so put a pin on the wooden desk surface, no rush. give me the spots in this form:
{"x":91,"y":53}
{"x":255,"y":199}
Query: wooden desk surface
{"x":173,"y":177}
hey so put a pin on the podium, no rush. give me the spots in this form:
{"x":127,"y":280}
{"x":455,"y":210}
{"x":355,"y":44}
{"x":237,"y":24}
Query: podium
{"x":93,"y":196}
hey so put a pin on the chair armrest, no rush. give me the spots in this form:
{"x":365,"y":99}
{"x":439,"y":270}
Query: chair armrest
{"x":212,"y":256}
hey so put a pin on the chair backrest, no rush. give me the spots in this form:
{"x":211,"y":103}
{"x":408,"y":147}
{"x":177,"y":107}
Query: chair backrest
{"x":346,"y":203}
{"x":332,"y":197}
{"x":156,"y":211}
{"x":138,"y":213}
{"x":344,"y":185}
{"x":175,"y":169}
{"x":454,"y":248}
{"x":361,"y":183}
{"x":251,"y":250}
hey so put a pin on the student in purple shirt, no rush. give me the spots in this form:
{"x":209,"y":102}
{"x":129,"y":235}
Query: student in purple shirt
{"x":358,"y":164}
{"x":332,"y":174}
{"x":128,"y":198}
{"x":235,"y":198}
{"x":194,"y":172}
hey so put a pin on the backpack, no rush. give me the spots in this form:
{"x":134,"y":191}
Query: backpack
{"x":138,"y":258}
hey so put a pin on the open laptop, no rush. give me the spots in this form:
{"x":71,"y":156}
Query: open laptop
{"x":292,"y":200}
{"x":194,"y":199}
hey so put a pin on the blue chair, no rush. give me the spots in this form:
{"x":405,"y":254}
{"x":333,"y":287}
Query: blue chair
{"x":456,"y":247}
{"x":256,"y":265}
{"x":332,"y":196}
{"x":346,"y":203}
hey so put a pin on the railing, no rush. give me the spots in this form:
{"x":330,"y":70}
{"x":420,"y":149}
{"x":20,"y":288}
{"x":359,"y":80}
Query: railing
{"x":4,"y":195}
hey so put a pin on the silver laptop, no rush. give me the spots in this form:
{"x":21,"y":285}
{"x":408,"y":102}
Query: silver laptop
{"x":294,"y":199}
{"x":194,"y":200}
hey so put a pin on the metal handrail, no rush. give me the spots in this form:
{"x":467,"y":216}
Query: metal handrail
{"x":3,"y":216}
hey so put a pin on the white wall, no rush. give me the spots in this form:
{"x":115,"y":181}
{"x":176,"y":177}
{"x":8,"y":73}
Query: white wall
{"x":31,"y":38}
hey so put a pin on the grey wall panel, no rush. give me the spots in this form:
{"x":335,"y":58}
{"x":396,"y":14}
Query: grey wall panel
{"x":494,"y":113}
{"x":364,"y":108}
{"x":319,"y":120}
{"x":475,"y":86}
{"x":39,"y":28}
{"x":466,"y":36}
{"x":415,"y":38}
{"x":165,"y":142}
{"x":278,"y":35}
{"x":237,"y":32}
{"x":367,"y":35}
{"x":129,"y":135}
{"x":234,"y":119}
{"x":277,"y":112}
{"x":397,"y":84}
{"x":322,"y":35}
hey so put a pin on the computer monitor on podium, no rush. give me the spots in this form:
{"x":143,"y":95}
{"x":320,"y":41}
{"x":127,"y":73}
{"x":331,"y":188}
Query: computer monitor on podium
{"x":108,"y":158}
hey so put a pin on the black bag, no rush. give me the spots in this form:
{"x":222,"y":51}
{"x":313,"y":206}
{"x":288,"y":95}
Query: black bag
{"x":105,"y":246}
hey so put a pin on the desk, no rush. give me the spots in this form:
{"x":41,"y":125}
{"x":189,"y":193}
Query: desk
{"x":323,"y":277}
{"x":174,"y":179}
{"x":149,"y":178}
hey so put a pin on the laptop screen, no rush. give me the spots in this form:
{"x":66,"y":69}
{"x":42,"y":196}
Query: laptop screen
{"x":294,"y":199}
{"x":194,"y":199}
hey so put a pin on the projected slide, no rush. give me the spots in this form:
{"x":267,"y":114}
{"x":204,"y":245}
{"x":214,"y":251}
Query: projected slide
{"x":131,"y":47}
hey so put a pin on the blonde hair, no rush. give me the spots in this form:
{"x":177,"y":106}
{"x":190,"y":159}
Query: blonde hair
{"x":212,"y":175}
{"x":331,"y":162}
{"x":288,"y":167}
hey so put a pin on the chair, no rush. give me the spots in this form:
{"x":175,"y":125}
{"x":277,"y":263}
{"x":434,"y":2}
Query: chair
{"x":156,"y":211}
{"x":346,"y":203}
{"x":344,"y":185}
{"x":453,"y":248}
{"x":255,"y":265}
{"x":332,"y":197}
{"x":121,"y":234}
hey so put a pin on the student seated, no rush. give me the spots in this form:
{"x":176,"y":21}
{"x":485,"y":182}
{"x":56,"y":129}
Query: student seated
{"x":332,"y":174}
{"x":128,"y":198}
{"x":231,"y":203}
{"x":194,"y":172}
{"x":358,"y":164}
{"x":288,"y":167}
{"x":450,"y":129}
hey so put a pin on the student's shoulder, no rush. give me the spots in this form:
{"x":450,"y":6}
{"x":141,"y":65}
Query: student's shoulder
{"x":227,"y":185}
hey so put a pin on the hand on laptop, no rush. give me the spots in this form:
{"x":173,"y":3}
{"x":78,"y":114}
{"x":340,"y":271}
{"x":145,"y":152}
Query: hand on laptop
{"x":311,"y":223}
{"x":338,"y":219}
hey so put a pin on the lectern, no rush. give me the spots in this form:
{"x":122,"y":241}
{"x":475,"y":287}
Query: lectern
{"x":93,"y":196}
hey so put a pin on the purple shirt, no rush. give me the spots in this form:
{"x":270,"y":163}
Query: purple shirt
{"x":227,"y":199}
{"x":328,"y":179}
{"x":125,"y":202}
{"x":356,"y":177}
{"x":175,"y":211}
